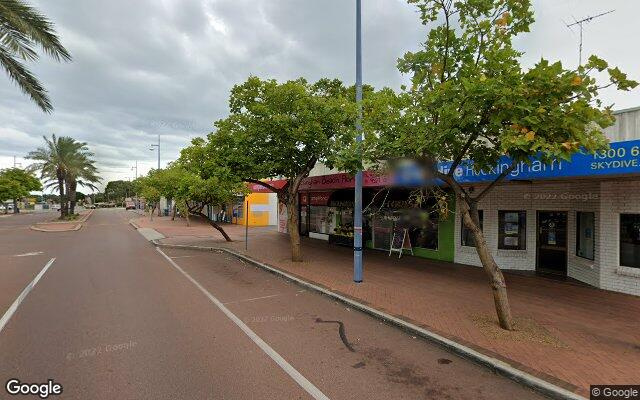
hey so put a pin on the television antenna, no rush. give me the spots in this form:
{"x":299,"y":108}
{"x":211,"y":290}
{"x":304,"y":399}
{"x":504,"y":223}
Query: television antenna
{"x":581,"y":23}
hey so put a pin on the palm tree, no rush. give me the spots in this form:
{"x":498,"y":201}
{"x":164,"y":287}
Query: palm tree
{"x":22,"y":28}
{"x":63,"y":163}
{"x":81,"y":170}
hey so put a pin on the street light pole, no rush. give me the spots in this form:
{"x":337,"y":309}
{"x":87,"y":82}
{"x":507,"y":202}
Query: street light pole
{"x":158,"y":147}
{"x":136,"y":168}
{"x":357,"y":212}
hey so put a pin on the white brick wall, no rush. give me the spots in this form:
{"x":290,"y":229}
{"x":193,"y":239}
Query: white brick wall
{"x":622,"y":196}
{"x":607,"y":199}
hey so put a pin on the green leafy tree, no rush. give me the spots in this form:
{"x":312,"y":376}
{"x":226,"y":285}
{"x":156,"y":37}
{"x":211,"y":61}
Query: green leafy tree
{"x":15,"y":184}
{"x":281,"y":130}
{"x":149,"y":188}
{"x":119,"y":190}
{"x":201,"y":183}
{"x":22,"y":28}
{"x":471,"y":101}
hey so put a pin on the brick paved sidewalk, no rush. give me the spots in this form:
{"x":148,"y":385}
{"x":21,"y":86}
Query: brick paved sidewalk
{"x":570,"y":334}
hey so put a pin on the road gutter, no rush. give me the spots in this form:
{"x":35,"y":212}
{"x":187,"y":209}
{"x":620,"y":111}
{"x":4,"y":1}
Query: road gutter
{"x":503,"y":368}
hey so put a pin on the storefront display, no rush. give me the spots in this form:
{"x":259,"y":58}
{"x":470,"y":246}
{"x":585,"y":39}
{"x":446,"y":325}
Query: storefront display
{"x":396,"y":211}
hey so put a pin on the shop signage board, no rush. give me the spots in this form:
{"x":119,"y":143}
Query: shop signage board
{"x":622,"y":158}
{"x":315,"y":198}
{"x":400,"y":241}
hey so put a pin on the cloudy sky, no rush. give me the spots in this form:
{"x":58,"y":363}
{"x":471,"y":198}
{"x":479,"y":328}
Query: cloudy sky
{"x":148,"y":67}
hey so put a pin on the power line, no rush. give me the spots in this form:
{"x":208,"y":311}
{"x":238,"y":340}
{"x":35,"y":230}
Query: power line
{"x":580,"y":24}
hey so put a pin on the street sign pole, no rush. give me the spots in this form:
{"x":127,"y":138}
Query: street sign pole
{"x":357,"y":211}
{"x":246,"y":227}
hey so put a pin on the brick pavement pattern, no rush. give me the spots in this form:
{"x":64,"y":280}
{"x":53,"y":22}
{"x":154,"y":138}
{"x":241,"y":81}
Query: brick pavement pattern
{"x":581,"y":335}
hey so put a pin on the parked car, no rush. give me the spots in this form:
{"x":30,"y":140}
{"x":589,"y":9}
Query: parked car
{"x":129,"y":204}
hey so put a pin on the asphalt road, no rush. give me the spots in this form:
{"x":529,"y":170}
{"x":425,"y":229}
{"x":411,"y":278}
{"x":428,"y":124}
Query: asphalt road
{"x":113,"y":318}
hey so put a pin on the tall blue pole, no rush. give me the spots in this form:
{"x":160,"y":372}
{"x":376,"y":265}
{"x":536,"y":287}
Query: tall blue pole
{"x":357,"y":210}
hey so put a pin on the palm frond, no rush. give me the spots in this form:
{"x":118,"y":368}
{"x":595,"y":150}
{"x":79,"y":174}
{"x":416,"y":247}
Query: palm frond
{"x":27,"y":82}
{"x":31,"y":23}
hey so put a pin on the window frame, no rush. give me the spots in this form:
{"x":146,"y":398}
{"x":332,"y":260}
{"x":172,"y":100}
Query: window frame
{"x":522,"y":230}
{"x":593,"y":249}
{"x":637,"y":215}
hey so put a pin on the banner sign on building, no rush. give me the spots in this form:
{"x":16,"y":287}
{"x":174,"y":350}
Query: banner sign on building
{"x":621,"y":158}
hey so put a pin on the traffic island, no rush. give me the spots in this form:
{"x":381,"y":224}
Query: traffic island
{"x":62,"y":226}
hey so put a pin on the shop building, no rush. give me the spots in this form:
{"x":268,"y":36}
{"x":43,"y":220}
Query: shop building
{"x":578,"y":219}
{"x":263,"y":210}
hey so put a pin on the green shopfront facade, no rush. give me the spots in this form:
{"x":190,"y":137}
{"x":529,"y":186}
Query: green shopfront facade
{"x":326,"y":213}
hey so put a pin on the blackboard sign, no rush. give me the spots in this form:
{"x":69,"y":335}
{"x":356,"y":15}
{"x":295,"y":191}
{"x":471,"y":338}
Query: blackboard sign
{"x":400,"y":241}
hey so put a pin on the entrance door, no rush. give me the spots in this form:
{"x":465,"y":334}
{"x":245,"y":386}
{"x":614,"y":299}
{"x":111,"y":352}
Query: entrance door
{"x":552,"y":242}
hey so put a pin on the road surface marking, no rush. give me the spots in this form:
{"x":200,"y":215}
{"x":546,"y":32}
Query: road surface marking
{"x":12,"y":309}
{"x":174,"y":257}
{"x":253,"y":298}
{"x":34,"y":253}
{"x":288,"y":368}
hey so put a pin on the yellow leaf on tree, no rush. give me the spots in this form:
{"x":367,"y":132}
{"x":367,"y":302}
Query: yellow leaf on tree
{"x":524,"y":130}
{"x":567,"y":145}
{"x":530,"y":136}
{"x":576,"y":81}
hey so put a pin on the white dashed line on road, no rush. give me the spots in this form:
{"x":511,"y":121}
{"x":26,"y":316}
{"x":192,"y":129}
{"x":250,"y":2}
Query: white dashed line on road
{"x":34,"y":253}
{"x":282,"y":363}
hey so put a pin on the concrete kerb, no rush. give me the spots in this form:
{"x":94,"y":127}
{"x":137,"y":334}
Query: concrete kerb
{"x":546,"y":388}
{"x":75,"y":228}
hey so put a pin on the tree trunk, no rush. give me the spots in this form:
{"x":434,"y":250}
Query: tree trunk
{"x":15,"y":206}
{"x":187,"y":216}
{"x":471,"y":221}
{"x":152,"y":210}
{"x":72,"y":197}
{"x":173,"y":213}
{"x":212,"y":223}
{"x":63,"y":199}
{"x":292,"y":226}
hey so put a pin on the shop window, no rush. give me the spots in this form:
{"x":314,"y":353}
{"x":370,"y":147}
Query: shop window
{"x":321,"y":219}
{"x":421,"y":225}
{"x":585,"y":228}
{"x":630,"y":240}
{"x":465,"y":234}
{"x":425,"y":234}
{"x":512,"y":230}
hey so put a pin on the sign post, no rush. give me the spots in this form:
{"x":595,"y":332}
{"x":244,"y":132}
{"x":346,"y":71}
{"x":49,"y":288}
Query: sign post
{"x":246,"y":227}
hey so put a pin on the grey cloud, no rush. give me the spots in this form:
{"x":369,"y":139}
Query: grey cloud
{"x":149,"y":67}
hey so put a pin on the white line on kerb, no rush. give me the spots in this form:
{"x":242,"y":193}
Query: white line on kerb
{"x":288,"y":368}
{"x":12,"y":309}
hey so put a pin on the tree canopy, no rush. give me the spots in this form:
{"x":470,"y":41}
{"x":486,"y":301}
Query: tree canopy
{"x":281,"y":130}
{"x":471,"y":102}
{"x":118,"y":190}
{"x":16,"y":183}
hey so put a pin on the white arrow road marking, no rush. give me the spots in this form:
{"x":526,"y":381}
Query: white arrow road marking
{"x":12,"y":309}
{"x":35,"y":253}
{"x":282,"y":363}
